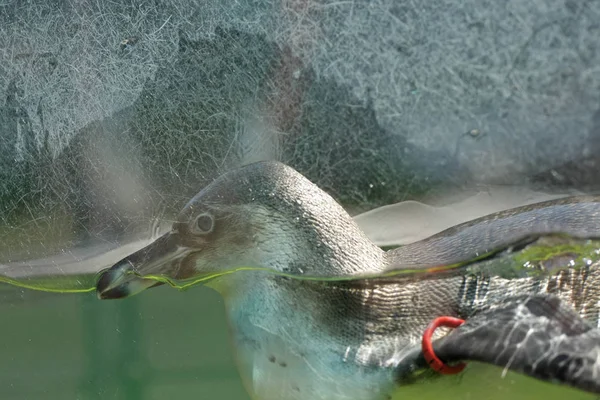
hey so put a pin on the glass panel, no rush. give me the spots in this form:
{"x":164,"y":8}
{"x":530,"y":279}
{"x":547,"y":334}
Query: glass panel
{"x":113,"y":114}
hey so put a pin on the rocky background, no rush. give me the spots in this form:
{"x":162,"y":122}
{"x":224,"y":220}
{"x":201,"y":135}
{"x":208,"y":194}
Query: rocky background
{"x":113,"y":114}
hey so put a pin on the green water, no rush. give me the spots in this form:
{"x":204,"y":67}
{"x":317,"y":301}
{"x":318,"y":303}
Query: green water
{"x":159,"y":345}
{"x":166,"y":344}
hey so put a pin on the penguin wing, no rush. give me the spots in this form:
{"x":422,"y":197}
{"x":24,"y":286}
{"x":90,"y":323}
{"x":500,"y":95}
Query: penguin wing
{"x":578,"y":217}
{"x":540,"y":336}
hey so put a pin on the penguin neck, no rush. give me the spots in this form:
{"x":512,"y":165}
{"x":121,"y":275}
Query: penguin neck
{"x":329,"y":260}
{"x":328,"y":251}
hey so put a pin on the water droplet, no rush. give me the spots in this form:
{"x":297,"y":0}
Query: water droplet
{"x":371,"y":185}
{"x":297,"y":219}
{"x":272,"y":194}
{"x":298,"y":201}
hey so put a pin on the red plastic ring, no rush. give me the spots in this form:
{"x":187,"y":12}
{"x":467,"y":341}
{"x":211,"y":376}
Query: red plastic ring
{"x":427,"y":348}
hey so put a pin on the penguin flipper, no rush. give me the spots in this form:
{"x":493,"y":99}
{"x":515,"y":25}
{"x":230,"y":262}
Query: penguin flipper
{"x":540,"y":336}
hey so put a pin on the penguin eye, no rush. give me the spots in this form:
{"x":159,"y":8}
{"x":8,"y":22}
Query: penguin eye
{"x":203,"y":224}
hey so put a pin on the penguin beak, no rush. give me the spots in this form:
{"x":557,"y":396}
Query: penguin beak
{"x":125,"y":278}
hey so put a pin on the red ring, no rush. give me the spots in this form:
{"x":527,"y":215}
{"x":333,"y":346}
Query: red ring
{"x":427,"y":348}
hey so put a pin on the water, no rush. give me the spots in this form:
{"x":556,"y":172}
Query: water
{"x":167,"y":344}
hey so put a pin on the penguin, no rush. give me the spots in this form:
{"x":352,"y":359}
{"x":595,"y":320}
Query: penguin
{"x":318,"y":311}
